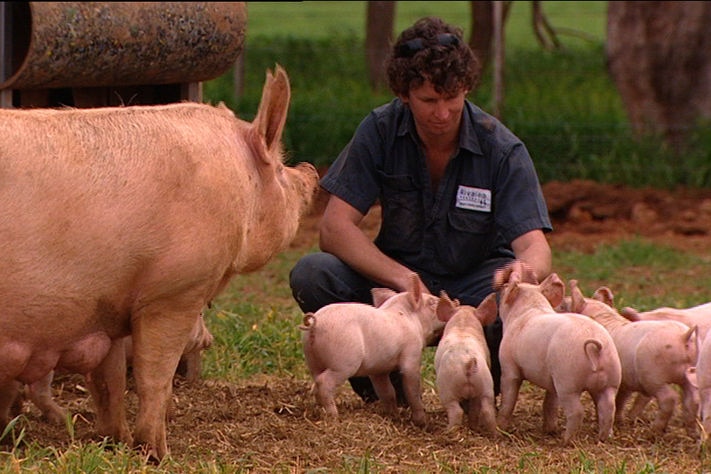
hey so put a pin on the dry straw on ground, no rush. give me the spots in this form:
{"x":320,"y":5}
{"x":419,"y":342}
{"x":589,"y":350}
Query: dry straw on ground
{"x":272,"y":424}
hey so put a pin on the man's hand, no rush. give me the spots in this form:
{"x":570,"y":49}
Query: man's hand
{"x":502,"y":275}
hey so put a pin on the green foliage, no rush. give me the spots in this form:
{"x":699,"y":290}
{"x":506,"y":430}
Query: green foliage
{"x":329,"y":94}
{"x":562,"y":104}
{"x":576,"y":22}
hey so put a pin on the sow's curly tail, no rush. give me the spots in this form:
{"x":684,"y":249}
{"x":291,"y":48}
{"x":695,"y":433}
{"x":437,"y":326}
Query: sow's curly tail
{"x":308,"y":322}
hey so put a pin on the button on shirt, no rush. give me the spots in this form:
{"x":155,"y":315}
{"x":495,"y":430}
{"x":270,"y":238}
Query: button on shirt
{"x":489,"y":195}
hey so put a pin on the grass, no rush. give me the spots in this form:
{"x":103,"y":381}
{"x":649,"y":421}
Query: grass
{"x":254,"y":325}
{"x":643,"y":275}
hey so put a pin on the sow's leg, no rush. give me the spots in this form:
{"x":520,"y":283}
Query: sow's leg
{"x":159,"y":336}
{"x":107,"y":384}
{"x":9,"y":406}
{"x":40,"y":393}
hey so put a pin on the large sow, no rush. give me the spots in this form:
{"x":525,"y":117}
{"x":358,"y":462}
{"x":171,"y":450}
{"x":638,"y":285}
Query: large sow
{"x":129,"y":220}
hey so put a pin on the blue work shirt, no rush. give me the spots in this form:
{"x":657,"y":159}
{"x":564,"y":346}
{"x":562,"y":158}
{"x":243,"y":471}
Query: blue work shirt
{"x":488,"y":196}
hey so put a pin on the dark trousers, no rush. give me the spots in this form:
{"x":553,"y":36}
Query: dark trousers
{"x":320,"y":278}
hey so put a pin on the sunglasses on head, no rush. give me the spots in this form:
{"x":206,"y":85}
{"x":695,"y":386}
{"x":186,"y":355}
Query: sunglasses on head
{"x":409,"y":48}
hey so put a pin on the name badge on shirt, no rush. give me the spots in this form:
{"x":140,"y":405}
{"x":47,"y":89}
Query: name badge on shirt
{"x":475,"y":199}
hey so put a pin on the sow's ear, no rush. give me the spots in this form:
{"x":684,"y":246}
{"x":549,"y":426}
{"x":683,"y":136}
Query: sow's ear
{"x":271,"y":115}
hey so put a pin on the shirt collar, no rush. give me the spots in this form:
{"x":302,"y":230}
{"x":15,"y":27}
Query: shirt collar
{"x":407,"y":123}
{"x":468,"y":139}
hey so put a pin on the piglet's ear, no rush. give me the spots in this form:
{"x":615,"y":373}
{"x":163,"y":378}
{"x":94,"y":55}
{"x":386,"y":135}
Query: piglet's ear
{"x":553,"y":289}
{"x":487,"y":310}
{"x":511,"y":290}
{"x":604,"y":294}
{"x":446,"y":307}
{"x":577,"y":298}
{"x":415,"y":293}
{"x":381,"y":295}
{"x":630,"y":313}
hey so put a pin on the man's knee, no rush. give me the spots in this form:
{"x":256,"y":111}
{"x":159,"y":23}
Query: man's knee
{"x":305,"y":280}
{"x":320,"y":278}
{"x":301,"y":275}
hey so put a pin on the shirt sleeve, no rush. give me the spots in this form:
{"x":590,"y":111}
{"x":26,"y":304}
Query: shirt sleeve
{"x":520,"y":204}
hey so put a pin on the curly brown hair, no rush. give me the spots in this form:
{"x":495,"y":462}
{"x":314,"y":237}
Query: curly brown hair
{"x":432,"y":50}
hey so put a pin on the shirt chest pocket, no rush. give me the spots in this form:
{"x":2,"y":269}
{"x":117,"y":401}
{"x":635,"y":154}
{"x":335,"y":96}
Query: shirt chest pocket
{"x":402,"y":214}
{"x":470,"y":222}
{"x":465,"y":239}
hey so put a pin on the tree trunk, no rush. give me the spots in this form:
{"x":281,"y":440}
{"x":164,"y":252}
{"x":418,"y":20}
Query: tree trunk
{"x":499,"y":50}
{"x":482,"y":17}
{"x":378,"y":39}
{"x":659,"y":56}
{"x":543,"y":30}
{"x":482,"y":20}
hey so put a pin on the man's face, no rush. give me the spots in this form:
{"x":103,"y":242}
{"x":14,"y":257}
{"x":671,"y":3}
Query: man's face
{"x":435,"y":114}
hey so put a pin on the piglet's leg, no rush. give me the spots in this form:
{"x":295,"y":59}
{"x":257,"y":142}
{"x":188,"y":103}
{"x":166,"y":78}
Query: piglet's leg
{"x":510,"y":385}
{"x":411,"y":385}
{"x":325,"y":385}
{"x":550,"y":411}
{"x":385,"y":391}
{"x":620,"y":400}
{"x":455,"y":413}
{"x":472,"y":407}
{"x":638,"y":406}
{"x":487,"y":414}
{"x":691,"y":406}
{"x":574,"y":413}
{"x":605,"y":404}
{"x":667,"y":399}
{"x":705,"y":412}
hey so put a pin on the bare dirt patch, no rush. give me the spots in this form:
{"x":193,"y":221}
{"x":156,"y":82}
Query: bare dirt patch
{"x":269,"y":424}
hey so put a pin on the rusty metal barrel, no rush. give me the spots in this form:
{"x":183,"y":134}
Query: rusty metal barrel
{"x":95,"y":44}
